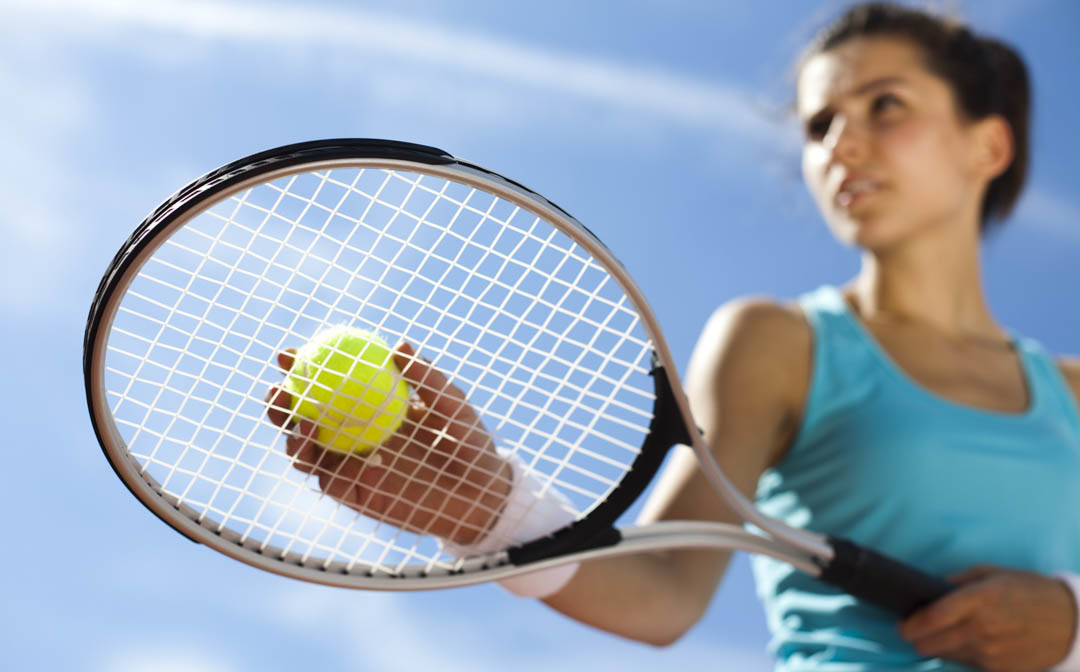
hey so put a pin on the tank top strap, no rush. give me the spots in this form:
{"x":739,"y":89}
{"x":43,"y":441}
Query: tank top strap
{"x":1048,"y":383}
{"x":846,"y":367}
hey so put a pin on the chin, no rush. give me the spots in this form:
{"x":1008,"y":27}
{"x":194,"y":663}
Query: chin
{"x":866,"y":233}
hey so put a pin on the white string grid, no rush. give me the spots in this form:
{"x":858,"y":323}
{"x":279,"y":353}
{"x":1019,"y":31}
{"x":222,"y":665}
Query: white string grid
{"x":542,"y":341}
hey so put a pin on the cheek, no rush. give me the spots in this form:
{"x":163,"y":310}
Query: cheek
{"x":923,"y":159}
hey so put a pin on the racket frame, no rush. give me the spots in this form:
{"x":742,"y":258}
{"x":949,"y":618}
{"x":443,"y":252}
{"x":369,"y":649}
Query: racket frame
{"x":596,"y":530}
{"x":860,"y":571}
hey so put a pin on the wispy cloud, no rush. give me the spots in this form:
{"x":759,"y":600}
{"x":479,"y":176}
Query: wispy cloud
{"x":1051,"y":213}
{"x":164,"y":658}
{"x":40,"y":115}
{"x":378,"y":630}
{"x":671,"y":96}
{"x":479,"y":80}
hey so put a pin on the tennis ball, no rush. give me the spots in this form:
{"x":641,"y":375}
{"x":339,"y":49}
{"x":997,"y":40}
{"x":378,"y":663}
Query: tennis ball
{"x":345,"y":380}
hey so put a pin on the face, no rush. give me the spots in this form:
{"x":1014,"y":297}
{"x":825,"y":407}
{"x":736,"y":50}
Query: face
{"x":886,"y":155}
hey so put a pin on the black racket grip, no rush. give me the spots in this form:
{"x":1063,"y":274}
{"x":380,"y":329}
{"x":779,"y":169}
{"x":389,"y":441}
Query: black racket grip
{"x":881,"y":580}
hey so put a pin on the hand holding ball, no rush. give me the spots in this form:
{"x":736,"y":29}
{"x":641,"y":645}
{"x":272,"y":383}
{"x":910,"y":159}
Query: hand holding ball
{"x":346,"y":382}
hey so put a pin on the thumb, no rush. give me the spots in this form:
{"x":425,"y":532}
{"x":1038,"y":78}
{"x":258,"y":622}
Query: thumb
{"x":433,"y":387}
{"x":975,"y":573}
{"x":286,"y":358}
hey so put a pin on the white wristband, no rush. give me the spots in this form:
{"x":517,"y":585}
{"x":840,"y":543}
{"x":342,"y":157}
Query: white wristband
{"x":1072,"y":660}
{"x":532,"y":510}
{"x":544,"y":582}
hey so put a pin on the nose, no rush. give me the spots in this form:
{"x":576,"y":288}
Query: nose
{"x":846,"y":140}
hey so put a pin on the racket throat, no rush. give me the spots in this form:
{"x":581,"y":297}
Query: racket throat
{"x":597,"y":529}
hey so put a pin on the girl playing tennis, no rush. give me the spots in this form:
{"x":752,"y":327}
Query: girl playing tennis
{"x":894,"y":411}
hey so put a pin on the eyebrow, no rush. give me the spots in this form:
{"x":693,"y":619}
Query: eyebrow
{"x":864,"y":88}
{"x":877,"y":84}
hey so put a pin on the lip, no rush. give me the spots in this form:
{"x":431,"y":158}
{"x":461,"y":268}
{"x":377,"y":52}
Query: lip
{"x":844,"y":197}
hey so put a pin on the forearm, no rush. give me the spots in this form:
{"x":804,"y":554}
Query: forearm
{"x":1071,"y":663}
{"x":653,"y":598}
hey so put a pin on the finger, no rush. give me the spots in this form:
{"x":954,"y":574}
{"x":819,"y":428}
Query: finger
{"x":301,"y":434}
{"x":340,"y":479}
{"x":408,"y":362}
{"x":941,"y":615}
{"x":279,"y":407}
{"x":286,"y":358}
{"x":958,"y":642}
{"x":973,"y":574}
{"x":418,"y":429}
{"x":368,"y":482}
{"x":308,"y":456}
{"x":434,"y":389}
{"x":450,"y":409}
{"x":299,"y":444}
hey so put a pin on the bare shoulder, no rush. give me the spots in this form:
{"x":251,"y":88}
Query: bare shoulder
{"x":1070,"y":368}
{"x":754,"y":352}
{"x":758,"y":328}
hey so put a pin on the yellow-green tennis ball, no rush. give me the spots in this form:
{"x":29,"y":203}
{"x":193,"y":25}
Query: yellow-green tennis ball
{"x":345,"y":380}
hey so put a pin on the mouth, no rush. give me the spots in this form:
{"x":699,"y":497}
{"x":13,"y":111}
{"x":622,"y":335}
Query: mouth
{"x":853,"y":190}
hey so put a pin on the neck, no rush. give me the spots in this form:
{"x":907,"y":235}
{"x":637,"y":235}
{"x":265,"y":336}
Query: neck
{"x":932,"y":280}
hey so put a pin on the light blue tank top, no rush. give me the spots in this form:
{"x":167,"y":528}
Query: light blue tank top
{"x":887,"y":463}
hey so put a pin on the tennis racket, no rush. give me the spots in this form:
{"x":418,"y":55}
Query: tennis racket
{"x":529,"y":315}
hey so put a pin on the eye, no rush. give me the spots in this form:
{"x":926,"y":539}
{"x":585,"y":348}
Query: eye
{"x":885,"y":102}
{"x":817,"y":127}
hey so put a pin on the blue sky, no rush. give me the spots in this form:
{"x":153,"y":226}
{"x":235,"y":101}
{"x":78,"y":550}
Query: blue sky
{"x":658,"y":123}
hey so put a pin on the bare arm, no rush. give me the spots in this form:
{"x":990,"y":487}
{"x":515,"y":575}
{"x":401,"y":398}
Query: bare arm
{"x":1070,"y":368}
{"x":746,"y":383}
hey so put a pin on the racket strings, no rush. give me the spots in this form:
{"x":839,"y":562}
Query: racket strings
{"x":463,"y":206}
{"x":245,"y":489}
{"x":547,"y":347}
{"x":441,"y":473}
{"x":555,"y":358}
{"x":586,"y":263}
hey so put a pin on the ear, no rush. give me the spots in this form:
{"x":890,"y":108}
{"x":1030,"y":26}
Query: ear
{"x":994,"y":148}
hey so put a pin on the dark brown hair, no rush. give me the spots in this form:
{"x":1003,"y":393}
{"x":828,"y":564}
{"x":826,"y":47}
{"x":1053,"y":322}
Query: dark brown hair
{"x":987,"y":77}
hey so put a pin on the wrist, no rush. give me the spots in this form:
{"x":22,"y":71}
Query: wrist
{"x":1071,"y":663}
{"x":530,"y":510}
{"x":481,"y":520}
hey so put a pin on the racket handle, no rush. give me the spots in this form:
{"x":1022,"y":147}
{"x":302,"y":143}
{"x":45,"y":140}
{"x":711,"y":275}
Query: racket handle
{"x":881,"y":580}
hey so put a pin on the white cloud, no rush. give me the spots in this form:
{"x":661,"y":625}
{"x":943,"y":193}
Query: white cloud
{"x":452,"y":632}
{"x":488,"y":82}
{"x":1051,"y":213}
{"x":40,"y":115}
{"x":479,"y":80}
{"x":164,"y":659}
{"x":374,"y":630}
{"x":650,"y":90}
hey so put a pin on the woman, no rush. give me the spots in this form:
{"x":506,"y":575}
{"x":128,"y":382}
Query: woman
{"x":900,"y":389}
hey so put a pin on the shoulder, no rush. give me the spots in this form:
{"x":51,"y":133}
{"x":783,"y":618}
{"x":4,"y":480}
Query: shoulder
{"x":758,"y":326}
{"x":757,"y":346}
{"x":749,"y":378}
{"x":1070,"y":369}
